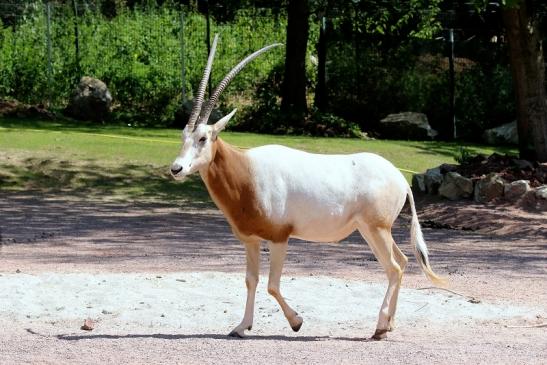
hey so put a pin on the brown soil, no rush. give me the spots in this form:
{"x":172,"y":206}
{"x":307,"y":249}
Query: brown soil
{"x":525,"y":218}
{"x":16,"y":109}
{"x":502,"y":261}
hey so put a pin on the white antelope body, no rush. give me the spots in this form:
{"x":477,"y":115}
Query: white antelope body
{"x":272,"y":193}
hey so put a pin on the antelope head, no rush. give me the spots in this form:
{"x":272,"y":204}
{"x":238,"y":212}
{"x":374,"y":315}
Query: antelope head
{"x":198,"y":137}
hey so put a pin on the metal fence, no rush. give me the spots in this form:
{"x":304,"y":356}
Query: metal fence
{"x":147,"y":55}
{"x":152,"y":58}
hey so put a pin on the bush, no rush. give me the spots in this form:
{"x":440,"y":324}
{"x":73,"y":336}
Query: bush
{"x":484,"y":100}
{"x":265,"y":115}
{"x":137,"y":54}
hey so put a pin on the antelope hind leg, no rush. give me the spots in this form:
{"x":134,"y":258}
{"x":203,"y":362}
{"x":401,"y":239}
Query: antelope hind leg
{"x":278,"y":251}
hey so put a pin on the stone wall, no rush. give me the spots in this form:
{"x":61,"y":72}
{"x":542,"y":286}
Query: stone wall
{"x":446,"y":182}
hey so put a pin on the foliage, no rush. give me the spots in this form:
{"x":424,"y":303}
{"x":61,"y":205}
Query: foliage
{"x":464,"y":155}
{"x":484,"y":100}
{"x":137,"y":53}
{"x":266,"y":116}
{"x":381,"y":58}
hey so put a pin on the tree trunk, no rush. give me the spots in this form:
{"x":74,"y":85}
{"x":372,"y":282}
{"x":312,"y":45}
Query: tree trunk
{"x":528,"y":70}
{"x":294,"y":83}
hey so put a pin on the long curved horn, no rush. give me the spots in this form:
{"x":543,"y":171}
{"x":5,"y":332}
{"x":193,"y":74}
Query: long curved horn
{"x":209,"y":106}
{"x":198,"y":100}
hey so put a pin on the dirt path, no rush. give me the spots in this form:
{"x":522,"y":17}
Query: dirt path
{"x":165,"y":284}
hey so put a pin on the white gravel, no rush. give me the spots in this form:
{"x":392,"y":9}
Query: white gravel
{"x":213,"y":302}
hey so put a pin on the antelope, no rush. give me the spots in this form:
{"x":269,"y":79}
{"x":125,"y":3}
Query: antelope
{"x":272,"y":193}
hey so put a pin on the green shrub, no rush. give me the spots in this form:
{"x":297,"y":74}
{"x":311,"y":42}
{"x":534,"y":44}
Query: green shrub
{"x":137,"y":54}
{"x":484,"y":99}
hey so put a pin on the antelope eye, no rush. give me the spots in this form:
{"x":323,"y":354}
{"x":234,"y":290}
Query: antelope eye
{"x":202,"y":140}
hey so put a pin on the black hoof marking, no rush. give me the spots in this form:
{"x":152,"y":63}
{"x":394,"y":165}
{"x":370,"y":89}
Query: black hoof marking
{"x":379,"y":335}
{"x":297,"y":327}
{"x":234,"y":334}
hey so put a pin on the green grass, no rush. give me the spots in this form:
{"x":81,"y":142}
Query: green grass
{"x":127,"y":162}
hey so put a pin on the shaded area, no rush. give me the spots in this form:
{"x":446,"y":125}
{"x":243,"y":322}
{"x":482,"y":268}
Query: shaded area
{"x":69,"y":126}
{"x":207,"y":336}
{"x":525,"y":219}
{"x":89,"y":178}
{"x":449,"y":149}
{"x":49,"y":230}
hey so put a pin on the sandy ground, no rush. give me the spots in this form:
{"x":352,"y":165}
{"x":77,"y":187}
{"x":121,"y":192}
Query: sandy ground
{"x":165,"y":284}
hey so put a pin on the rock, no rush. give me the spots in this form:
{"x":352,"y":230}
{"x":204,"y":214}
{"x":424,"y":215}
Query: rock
{"x":433,"y":179}
{"x":447,"y":167}
{"x":516,"y":189}
{"x":91,"y":100}
{"x":504,"y":134}
{"x":418,"y":183}
{"x":182,"y":114}
{"x":488,"y":188}
{"x":541,"y":172}
{"x":407,"y":125}
{"x":541,"y":192}
{"x":88,"y":325}
{"x":13,"y":108}
{"x":455,"y":186}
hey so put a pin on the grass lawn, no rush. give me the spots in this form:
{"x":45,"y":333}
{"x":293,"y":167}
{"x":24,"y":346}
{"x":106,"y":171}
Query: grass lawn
{"x":125,"y":162}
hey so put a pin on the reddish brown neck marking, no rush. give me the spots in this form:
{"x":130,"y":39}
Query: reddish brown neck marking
{"x":229,"y":182}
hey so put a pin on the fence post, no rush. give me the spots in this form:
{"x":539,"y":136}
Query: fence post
{"x":76,"y":37}
{"x":452,"y":84}
{"x":209,"y":44}
{"x":183,"y":71}
{"x":321,"y":88}
{"x":49,"y":57}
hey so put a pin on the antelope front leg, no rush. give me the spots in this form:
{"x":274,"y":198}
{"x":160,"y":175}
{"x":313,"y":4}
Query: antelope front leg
{"x":252,"y":250}
{"x":278,"y":251}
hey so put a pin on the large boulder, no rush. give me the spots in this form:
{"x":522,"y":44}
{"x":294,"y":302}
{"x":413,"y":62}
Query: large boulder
{"x":91,"y":100}
{"x":418,"y":183}
{"x":489,"y":188}
{"x":541,"y":192}
{"x":516,"y":189}
{"x":407,"y":125}
{"x":456,"y":186}
{"x":504,"y":134}
{"x":433,"y":179}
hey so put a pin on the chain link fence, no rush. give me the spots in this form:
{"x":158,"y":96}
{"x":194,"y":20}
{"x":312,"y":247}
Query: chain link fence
{"x":151,"y":58}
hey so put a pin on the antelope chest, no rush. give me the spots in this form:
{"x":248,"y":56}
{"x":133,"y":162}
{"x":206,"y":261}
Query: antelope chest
{"x":232,"y":186}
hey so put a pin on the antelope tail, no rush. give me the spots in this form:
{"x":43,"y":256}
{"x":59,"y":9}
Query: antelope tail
{"x":420,"y":248}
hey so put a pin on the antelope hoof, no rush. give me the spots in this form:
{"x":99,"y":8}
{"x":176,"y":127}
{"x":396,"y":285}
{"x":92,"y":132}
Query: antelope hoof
{"x":296,"y":323}
{"x":380,"y":335}
{"x":239,"y":331}
{"x":236,"y":334}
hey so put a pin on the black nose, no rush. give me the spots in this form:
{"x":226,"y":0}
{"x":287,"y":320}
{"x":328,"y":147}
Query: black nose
{"x":175,"y":169}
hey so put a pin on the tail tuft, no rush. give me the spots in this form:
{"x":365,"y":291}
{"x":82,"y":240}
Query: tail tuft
{"x":420,"y":248}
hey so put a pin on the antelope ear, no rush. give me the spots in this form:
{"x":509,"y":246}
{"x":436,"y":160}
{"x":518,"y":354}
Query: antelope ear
{"x":221,"y":124}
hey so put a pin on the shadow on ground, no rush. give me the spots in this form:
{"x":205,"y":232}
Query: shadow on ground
{"x":209,"y":336}
{"x":46,"y":231}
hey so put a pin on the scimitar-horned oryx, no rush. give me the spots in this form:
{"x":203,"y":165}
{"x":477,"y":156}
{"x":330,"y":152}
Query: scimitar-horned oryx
{"x":272,"y":193}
